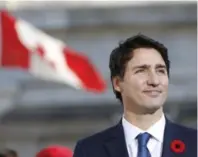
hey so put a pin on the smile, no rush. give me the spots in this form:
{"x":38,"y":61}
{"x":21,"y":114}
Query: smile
{"x":152,"y":93}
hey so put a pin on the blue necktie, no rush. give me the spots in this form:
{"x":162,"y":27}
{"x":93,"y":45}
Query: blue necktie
{"x":142,"y":145}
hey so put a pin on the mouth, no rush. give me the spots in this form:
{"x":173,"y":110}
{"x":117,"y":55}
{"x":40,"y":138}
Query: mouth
{"x":152,"y":93}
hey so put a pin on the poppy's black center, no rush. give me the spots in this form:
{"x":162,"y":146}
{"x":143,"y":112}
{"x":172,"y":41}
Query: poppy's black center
{"x":177,"y":146}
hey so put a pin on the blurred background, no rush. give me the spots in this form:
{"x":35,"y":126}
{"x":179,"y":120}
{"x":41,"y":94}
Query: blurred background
{"x":35,"y":113}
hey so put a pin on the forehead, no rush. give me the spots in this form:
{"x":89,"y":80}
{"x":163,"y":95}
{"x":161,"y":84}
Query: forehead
{"x":148,"y":56}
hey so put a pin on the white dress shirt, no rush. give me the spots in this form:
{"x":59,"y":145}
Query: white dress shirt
{"x":154,"y":144}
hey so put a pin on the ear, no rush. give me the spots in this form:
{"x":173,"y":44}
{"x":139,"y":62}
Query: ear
{"x":116,"y":83}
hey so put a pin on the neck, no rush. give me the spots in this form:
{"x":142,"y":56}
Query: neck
{"x":143,"y":121}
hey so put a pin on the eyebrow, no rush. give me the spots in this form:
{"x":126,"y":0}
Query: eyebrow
{"x":141,"y":66}
{"x":144,"y":66}
{"x":161,"y":66}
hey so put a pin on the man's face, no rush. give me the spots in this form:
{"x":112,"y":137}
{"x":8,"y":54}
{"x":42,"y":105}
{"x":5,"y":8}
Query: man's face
{"x":145,"y":82}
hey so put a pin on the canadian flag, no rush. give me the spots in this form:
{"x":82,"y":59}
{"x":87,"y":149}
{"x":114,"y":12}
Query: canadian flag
{"x":45,"y":57}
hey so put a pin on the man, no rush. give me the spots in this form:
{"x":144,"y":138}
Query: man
{"x":10,"y":153}
{"x":140,"y":77}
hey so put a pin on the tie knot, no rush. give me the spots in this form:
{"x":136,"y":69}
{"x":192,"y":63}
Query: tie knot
{"x":143,"y":138}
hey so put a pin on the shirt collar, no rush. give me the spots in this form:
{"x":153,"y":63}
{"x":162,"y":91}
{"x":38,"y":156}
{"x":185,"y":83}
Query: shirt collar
{"x":156,"y":130}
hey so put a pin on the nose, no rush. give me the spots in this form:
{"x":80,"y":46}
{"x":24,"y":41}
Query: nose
{"x":153,"y":79}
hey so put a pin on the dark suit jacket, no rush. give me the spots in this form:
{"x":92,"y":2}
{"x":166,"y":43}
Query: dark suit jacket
{"x":111,"y":142}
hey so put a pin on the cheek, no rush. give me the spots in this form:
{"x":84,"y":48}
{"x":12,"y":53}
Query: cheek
{"x":135,"y":84}
{"x":165,"y":83}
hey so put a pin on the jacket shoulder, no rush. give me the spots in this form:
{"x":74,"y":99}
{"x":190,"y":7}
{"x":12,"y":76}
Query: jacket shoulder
{"x":99,"y":136}
{"x":186,"y":130}
{"x":88,"y":145}
{"x":186,"y":133}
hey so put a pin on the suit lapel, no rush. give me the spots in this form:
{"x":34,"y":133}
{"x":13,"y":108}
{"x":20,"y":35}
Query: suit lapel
{"x":168,"y":137}
{"x":115,"y":144}
{"x":171,"y":133}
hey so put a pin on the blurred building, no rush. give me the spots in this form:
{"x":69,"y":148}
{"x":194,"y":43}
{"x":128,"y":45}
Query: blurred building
{"x":35,"y":113}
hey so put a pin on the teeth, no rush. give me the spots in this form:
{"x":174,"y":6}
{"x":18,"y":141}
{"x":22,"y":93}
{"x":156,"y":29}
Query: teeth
{"x":153,"y":93}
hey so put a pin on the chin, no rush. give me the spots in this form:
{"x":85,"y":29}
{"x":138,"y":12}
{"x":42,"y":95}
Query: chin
{"x":151,"y":108}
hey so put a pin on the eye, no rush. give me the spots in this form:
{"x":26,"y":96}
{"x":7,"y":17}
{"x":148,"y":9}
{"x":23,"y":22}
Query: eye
{"x":163,"y":71}
{"x":139,"y":71}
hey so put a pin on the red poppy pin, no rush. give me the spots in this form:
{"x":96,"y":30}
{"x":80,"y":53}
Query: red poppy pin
{"x":177,"y":146}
